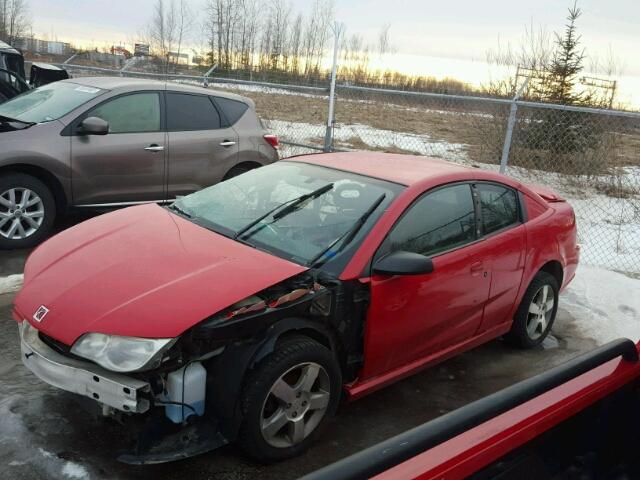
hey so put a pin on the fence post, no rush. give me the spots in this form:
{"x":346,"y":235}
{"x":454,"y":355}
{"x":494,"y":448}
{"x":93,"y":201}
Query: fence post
{"x":328,"y":137}
{"x":205,"y":77}
{"x":506,"y":147}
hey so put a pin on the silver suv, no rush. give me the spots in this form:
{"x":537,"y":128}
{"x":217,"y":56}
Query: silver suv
{"x":95,"y":143}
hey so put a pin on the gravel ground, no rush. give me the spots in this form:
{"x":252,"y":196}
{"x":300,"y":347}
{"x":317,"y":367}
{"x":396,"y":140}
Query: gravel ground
{"x":44,"y":434}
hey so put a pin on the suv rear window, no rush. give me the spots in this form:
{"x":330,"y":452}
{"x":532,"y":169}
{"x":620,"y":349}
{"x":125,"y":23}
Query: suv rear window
{"x":191,"y":112}
{"x":232,"y":109}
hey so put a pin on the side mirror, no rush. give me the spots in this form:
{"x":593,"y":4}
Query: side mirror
{"x":403,"y":263}
{"x":94,"y":126}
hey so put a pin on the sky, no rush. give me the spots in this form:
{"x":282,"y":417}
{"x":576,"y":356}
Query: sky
{"x":429,"y":37}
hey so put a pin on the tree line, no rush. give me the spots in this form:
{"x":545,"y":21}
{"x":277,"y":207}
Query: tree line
{"x":14,"y":20}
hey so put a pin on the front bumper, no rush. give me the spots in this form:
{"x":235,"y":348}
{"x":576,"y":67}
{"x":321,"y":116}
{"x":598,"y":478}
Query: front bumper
{"x":112,"y":389}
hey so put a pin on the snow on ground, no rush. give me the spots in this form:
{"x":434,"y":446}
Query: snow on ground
{"x":43,"y":462}
{"x":604,"y":304}
{"x":12,"y":283}
{"x":344,"y":134}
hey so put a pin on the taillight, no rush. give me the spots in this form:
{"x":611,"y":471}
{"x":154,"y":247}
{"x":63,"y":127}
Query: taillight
{"x":272,"y":140}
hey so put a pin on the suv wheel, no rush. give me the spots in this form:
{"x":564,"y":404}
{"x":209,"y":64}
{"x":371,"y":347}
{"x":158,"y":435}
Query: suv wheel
{"x":536,"y":313}
{"x":27,"y":211}
{"x":287,"y":398}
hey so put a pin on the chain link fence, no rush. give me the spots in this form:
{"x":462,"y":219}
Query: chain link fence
{"x":591,"y":157}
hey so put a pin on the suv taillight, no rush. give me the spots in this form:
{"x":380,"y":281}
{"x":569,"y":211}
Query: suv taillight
{"x":272,"y":140}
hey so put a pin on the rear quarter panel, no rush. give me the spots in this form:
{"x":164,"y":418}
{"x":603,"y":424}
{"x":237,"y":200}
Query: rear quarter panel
{"x":551,"y":236}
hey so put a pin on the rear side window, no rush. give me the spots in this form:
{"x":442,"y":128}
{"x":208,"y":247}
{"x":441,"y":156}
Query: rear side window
{"x":499,"y":207}
{"x":191,"y":112}
{"x":139,"y":112}
{"x":439,"y":221}
{"x":232,"y":109}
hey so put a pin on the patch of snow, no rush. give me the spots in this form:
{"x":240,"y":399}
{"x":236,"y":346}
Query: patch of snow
{"x":74,"y":470}
{"x":12,"y":283}
{"x":18,"y":442}
{"x":605,"y":304}
{"x":375,"y":138}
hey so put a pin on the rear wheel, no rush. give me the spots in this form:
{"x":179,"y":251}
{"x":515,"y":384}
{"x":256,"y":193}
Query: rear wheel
{"x":237,"y":170}
{"x":287,"y":398}
{"x":536,"y":313}
{"x":27,"y":211}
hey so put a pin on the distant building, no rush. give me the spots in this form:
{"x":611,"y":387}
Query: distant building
{"x":35,"y":45}
{"x":141,"y":50}
{"x":175,"y":57}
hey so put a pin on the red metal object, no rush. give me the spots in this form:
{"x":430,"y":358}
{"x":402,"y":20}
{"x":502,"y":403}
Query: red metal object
{"x":476,"y":448}
{"x":140,"y":272}
{"x":145,"y":272}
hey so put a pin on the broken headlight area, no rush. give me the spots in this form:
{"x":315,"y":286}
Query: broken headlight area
{"x":122,"y":354}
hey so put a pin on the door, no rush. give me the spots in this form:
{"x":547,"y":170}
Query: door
{"x":126,"y":165}
{"x":505,"y":235}
{"x":414,"y":316}
{"x":201,"y":148}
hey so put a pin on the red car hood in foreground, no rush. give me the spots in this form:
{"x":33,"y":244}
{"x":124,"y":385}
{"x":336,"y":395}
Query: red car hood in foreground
{"x":140,"y":272}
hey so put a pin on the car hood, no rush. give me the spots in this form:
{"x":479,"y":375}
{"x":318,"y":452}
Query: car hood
{"x":141,"y":272}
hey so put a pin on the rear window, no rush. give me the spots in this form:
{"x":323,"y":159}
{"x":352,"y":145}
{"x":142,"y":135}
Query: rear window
{"x":499,"y":207}
{"x":232,"y":109}
{"x":191,"y":112}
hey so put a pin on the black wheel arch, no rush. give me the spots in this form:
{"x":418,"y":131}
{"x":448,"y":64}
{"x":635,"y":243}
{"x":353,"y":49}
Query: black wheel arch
{"x":227,"y":372}
{"x":46,"y":177}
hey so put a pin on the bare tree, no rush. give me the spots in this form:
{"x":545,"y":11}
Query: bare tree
{"x":14,"y":20}
{"x":384,"y":45}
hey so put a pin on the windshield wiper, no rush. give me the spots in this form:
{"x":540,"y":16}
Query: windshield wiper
{"x":4,"y":118}
{"x":287,"y":207}
{"x":176,"y":208}
{"x":347,"y":236}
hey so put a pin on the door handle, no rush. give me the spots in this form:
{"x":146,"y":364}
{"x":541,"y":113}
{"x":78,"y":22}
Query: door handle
{"x":476,"y":268}
{"x":227,"y":143}
{"x":154,"y":148}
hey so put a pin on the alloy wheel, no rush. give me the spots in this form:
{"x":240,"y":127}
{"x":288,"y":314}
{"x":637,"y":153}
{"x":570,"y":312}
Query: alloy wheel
{"x":540,"y":312}
{"x":295,"y":405}
{"x":21,"y":213}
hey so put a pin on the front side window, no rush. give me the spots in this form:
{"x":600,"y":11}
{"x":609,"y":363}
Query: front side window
{"x":266,"y":208}
{"x":139,"y":112}
{"x":499,"y":207}
{"x":49,"y":102}
{"x":439,"y":221}
{"x":191,"y":112}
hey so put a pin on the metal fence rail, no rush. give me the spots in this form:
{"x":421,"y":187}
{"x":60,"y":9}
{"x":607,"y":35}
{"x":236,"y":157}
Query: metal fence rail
{"x":590,"y":156}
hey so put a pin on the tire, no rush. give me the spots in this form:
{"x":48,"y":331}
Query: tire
{"x":530,"y":324}
{"x":35,"y":219}
{"x":235,"y":171}
{"x":281,"y":425}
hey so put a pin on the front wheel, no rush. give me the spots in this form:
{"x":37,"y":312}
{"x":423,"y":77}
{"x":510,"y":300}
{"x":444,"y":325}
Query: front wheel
{"x":537,"y":311}
{"x":287,"y":398}
{"x":27,"y":211}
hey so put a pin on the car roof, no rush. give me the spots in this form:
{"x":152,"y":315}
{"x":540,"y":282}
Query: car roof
{"x":6,"y":48}
{"x":132,"y":84}
{"x":394,"y":167}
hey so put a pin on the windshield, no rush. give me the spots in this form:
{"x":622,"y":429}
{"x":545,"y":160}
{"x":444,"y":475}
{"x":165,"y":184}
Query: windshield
{"x":48,"y":102}
{"x":302,"y":209}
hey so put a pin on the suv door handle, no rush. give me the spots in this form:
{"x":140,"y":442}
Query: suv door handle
{"x":227,"y":143}
{"x":154,"y":148}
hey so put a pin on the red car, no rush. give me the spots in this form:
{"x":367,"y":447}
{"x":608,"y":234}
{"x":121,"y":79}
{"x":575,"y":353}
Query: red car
{"x":244,"y":310}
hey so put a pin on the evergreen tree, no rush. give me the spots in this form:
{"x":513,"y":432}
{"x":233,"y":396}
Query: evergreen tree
{"x":566,"y":64}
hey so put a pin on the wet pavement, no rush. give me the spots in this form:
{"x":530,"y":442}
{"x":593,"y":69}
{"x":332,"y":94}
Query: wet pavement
{"x":45,"y":433}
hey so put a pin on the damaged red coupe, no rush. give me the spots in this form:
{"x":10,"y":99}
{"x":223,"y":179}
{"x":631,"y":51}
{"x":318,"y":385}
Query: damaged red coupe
{"x":242,"y":312}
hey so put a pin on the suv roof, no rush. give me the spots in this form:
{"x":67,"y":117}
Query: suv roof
{"x":127,"y":83}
